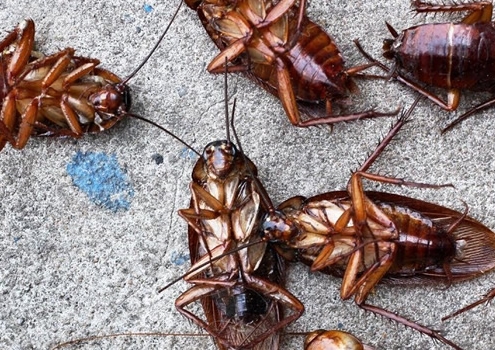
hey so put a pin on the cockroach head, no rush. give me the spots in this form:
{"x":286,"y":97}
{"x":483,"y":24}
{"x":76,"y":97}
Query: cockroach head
{"x":323,"y":339}
{"x":276,"y":227}
{"x":219,"y":157}
{"x":389,"y":45}
{"x":388,"y":48}
{"x":112,"y":100}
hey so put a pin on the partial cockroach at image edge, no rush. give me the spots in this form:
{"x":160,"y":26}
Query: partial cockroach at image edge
{"x":451,"y":56}
{"x":333,"y":340}
{"x":364,"y":237}
{"x":277,"y":46}
{"x":59,"y":95}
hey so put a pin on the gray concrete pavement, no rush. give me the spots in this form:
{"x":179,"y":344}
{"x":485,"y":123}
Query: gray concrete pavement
{"x":72,"y":267}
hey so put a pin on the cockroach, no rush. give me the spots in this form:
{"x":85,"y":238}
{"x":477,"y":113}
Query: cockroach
{"x":333,"y":340}
{"x":451,"y":56}
{"x":276,"y":45}
{"x":365,"y":237}
{"x":56,"y":95}
{"x":241,"y":292}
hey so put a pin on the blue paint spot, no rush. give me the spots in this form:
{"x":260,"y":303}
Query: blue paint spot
{"x":340,"y":325}
{"x":147,"y":8}
{"x":186,"y":153}
{"x":100,"y":176}
{"x":179,"y":258}
{"x":17,"y":239}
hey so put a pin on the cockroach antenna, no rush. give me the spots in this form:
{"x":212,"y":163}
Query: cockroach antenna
{"x":213,"y":259}
{"x":166,"y":131}
{"x":154,"y":47}
{"x":226,"y":99}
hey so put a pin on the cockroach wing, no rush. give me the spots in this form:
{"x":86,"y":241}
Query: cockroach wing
{"x":475,"y":242}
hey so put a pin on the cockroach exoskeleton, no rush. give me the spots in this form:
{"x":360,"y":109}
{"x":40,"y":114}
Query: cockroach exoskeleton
{"x":452,"y":56}
{"x":365,"y":237}
{"x":237,"y":277}
{"x":333,"y":340}
{"x":56,"y":95}
{"x":276,"y":45}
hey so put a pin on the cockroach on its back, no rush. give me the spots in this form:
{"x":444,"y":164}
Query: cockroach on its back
{"x":59,"y":95}
{"x":452,"y":56}
{"x":365,"y":237}
{"x":56,"y":95}
{"x":276,"y":45}
{"x":237,"y":277}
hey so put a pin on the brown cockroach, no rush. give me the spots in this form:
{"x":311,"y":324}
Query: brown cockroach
{"x":56,"y":95}
{"x":365,"y":237}
{"x":241,"y":291}
{"x":333,"y":340}
{"x":276,"y":45}
{"x":452,"y":56}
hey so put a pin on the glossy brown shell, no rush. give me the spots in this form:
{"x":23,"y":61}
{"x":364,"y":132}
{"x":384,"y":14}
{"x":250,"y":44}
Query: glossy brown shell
{"x":448,"y":55}
{"x":315,"y":64}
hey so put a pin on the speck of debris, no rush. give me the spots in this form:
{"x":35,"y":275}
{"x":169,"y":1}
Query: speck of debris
{"x":147,"y":8}
{"x":182,"y":91}
{"x":158,"y":158}
{"x":102,"y":179}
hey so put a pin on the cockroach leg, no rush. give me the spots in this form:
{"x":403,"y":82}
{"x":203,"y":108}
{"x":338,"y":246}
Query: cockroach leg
{"x":481,"y":10}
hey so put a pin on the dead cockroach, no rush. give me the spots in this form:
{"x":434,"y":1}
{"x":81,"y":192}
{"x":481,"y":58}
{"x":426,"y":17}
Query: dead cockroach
{"x":275,"y":44}
{"x":364,"y":237}
{"x":237,"y":277}
{"x":333,"y":340}
{"x":56,"y":95}
{"x":452,"y":56}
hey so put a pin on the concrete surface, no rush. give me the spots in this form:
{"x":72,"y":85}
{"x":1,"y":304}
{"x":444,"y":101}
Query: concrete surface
{"x":72,"y":266}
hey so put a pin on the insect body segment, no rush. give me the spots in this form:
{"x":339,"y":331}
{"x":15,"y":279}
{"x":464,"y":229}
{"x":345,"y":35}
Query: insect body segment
{"x":277,"y":46}
{"x":56,"y":95}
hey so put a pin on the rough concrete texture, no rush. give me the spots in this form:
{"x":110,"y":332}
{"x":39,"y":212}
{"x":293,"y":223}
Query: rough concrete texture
{"x":72,"y":265}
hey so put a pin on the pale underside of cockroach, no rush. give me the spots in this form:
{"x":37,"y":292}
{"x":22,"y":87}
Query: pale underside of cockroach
{"x":55,"y":95}
{"x":276,"y":45}
{"x":473,"y":244}
{"x":402,"y":240}
{"x":241,"y":292}
{"x":451,"y":56}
